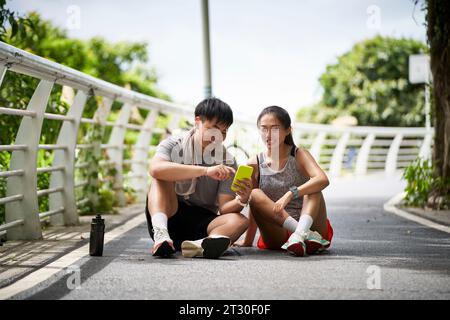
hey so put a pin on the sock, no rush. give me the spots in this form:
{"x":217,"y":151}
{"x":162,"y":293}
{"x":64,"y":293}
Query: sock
{"x":216,"y":236}
{"x":290,"y":224}
{"x":159,"y":220}
{"x":304,"y":224}
{"x":198,"y":242}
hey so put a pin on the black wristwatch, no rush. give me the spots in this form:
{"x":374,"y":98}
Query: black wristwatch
{"x":294,"y":191}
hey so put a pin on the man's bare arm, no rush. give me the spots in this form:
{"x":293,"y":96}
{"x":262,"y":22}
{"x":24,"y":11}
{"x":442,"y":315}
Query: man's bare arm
{"x":170,"y":171}
{"x":165,"y":170}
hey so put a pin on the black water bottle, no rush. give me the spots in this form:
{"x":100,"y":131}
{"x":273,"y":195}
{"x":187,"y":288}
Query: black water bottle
{"x":97,"y":236}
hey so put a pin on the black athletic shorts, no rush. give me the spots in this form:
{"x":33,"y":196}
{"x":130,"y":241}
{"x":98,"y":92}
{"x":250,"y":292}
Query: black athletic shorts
{"x":188,"y":223}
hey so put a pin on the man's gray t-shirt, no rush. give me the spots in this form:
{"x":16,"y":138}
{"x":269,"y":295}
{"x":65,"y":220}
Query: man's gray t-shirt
{"x":207,"y":189}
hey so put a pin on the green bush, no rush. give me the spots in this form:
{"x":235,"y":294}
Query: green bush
{"x":421,"y":183}
{"x":419,"y":177}
{"x":107,"y":199}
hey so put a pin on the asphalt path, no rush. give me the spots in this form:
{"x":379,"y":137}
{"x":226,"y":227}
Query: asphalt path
{"x":374,"y":255}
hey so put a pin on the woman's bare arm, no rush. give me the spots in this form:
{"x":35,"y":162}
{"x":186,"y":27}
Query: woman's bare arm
{"x":251,"y":231}
{"x":252,"y":226}
{"x":318,"y":179}
{"x":252,"y":162}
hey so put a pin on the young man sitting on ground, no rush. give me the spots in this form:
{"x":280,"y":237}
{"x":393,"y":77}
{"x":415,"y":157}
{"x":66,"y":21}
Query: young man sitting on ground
{"x":190,"y":205}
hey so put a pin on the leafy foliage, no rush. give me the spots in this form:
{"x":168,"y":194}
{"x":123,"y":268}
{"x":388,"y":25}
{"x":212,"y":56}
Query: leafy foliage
{"x":370,"y":83}
{"x":16,"y":23}
{"x":420,"y":183}
{"x":122,"y":63}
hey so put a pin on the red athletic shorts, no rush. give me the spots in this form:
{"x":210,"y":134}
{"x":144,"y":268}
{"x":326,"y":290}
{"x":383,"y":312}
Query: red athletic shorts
{"x":328,"y":236}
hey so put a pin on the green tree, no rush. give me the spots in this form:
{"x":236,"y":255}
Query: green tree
{"x":12,"y":19}
{"x":438,"y":33}
{"x":428,"y":183}
{"x":121,"y":63}
{"x":370,"y":83}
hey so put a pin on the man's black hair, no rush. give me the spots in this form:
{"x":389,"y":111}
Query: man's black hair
{"x":214,"y":108}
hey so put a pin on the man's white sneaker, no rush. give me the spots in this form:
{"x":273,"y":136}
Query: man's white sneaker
{"x":210,"y":247}
{"x":296,"y":244}
{"x":163,"y":245}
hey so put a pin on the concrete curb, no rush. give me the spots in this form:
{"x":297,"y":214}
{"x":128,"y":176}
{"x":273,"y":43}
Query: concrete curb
{"x":390,"y":206}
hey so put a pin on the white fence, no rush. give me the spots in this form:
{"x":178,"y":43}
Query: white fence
{"x":357,"y":150}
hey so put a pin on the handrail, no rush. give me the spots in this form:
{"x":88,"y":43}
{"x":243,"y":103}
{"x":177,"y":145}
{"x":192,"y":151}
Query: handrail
{"x":20,"y":61}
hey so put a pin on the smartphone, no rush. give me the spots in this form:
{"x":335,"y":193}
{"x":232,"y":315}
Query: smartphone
{"x":243,"y":172}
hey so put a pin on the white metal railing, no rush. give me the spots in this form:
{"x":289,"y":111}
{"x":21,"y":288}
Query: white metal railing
{"x":349,"y":150}
{"x":339,"y":150}
{"x":359,"y":150}
{"x":21,"y":200}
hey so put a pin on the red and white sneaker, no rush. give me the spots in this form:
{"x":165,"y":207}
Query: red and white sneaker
{"x":296,"y":244}
{"x":315,"y":243}
{"x":163,"y":246}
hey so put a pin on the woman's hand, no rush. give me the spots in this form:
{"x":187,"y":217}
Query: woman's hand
{"x":242,"y":244}
{"x":244,"y":189}
{"x":282,"y":202}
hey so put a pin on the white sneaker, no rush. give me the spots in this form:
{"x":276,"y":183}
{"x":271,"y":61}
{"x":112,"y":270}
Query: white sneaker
{"x":163,"y":245}
{"x":211,"y":247}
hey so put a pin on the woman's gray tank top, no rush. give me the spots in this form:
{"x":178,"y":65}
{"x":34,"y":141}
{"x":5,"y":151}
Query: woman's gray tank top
{"x":276,"y":183}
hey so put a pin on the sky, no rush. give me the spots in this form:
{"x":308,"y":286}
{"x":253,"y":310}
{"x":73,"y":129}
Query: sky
{"x":263,"y":52}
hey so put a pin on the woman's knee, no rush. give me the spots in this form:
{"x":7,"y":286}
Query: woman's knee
{"x":315,"y":197}
{"x":257,"y":196}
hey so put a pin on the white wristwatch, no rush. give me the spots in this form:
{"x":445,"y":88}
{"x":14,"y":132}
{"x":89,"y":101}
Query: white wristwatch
{"x":238,"y":199}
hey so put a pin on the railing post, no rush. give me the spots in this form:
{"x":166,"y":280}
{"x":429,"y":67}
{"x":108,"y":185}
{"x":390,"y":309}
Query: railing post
{"x":338,"y":155}
{"x":173,"y":124}
{"x":3,"y":70}
{"x":97,"y":131}
{"x":425,"y":149}
{"x":363,"y":155}
{"x":317,"y":145}
{"x":116,"y":153}
{"x":391,"y":160}
{"x":29,"y":134}
{"x":67,"y":136}
{"x":140,"y":156}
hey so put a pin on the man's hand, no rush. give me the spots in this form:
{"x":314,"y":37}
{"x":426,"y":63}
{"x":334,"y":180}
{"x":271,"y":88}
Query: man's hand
{"x":220,"y":172}
{"x":282,"y":202}
{"x":244,"y":189}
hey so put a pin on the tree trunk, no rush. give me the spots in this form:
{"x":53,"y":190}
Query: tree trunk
{"x":438,"y":21}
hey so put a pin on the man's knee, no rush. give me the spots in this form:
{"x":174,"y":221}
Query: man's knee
{"x":162,"y":197}
{"x":161,"y":185}
{"x":238,"y":220}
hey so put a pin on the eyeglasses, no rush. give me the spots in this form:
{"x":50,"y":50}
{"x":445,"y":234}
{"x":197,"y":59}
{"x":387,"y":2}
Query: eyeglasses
{"x":272,"y":129}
